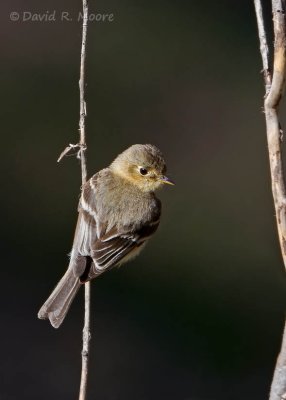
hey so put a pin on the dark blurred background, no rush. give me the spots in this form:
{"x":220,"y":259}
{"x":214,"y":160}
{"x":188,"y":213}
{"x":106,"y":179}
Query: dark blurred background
{"x":199,"y":315}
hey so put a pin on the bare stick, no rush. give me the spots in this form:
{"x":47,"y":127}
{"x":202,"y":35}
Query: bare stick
{"x":86,"y":328}
{"x":263,"y":44}
{"x":278,"y":386}
{"x":81,"y":146}
{"x":82,"y":91}
{"x":273,"y":94}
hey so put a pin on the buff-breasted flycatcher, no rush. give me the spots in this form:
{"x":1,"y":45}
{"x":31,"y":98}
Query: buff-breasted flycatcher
{"x":118,"y":213}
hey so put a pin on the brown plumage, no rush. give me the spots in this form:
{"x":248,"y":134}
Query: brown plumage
{"x":118,"y":213}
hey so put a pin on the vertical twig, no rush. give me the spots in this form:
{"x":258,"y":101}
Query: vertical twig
{"x":273,"y":94}
{"x":82,"y":132}
{"x":81,"y":155}
{"x":264,"y":50}
{"x":82,"y":92}
{"x":278,"y":386}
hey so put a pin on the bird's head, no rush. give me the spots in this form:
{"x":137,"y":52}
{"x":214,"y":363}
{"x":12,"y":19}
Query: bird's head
{"x":143,"y":165}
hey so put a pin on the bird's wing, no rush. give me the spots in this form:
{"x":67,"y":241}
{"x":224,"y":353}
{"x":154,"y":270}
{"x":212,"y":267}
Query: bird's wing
{"x":87,"y":228}
{"x":110,"y":248}
{"x":117,"y":245}
{"x":113,"y":247}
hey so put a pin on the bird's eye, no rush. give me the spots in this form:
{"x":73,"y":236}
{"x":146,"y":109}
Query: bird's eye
{"x":143,"y":171}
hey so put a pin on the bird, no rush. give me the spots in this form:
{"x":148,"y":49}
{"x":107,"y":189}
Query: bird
{"x":118,"y":212}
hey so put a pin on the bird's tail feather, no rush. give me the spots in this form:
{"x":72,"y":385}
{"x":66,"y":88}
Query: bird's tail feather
{"x":57,"y":305}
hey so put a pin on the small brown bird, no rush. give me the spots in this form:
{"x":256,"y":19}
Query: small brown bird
{"x":118,"y":213}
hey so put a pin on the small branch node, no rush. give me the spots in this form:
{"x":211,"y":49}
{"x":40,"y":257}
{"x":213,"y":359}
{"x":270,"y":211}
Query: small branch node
{"x":81,"y":146}
{"x":67,"y":150}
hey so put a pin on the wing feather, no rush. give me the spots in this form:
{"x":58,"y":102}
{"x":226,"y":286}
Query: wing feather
{"x":106,"y":249}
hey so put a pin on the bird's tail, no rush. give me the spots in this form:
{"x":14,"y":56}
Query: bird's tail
{"x":58,"y":304}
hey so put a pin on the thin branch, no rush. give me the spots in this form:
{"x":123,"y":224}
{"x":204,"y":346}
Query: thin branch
{"x":81,"y":146}
{"x":82,"y":91}
{"x":278,"y":387}
{"x":86,"y":329}
{"x":273,"y":130}
{"x":273,"y":95}
{"x":264,"y":50}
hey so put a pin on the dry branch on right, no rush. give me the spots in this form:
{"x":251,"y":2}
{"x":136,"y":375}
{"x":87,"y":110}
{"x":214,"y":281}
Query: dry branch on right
{"x":274,"y":80}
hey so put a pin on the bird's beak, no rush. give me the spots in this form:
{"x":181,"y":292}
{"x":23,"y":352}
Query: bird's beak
{"x":165,"y":179}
